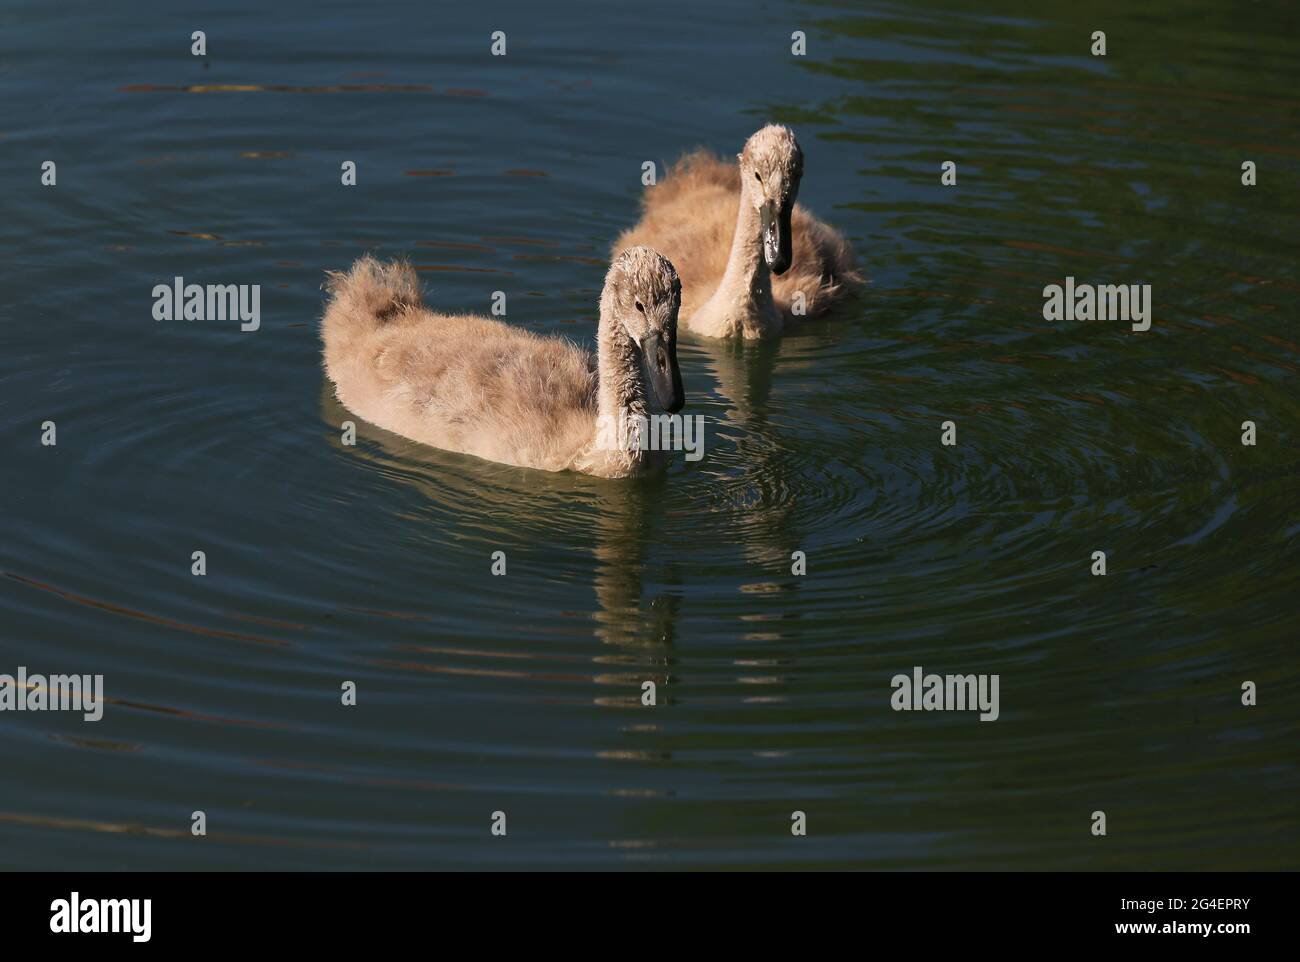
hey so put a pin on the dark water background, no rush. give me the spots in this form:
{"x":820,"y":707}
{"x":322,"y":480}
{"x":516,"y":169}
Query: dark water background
{"x":520,"y":693}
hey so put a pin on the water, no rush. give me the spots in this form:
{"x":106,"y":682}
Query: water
{"x":520,"y":693}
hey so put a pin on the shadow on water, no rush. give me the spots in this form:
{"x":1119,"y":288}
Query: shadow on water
{"x":490,"y":504}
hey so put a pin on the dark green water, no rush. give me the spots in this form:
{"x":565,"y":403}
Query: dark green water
{"x":521,"y":693}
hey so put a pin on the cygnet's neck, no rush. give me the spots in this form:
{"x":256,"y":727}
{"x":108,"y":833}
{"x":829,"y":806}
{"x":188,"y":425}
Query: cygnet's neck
{"x":621,"y":395}
{"x":743,"y":301}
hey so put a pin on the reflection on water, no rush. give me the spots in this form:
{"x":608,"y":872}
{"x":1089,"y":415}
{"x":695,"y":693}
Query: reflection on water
{"x":373,"y":563}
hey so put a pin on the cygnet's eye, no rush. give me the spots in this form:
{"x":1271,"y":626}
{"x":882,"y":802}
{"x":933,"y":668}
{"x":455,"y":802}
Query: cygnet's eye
{"x":639,"y":307}
{"x":757,"y":178}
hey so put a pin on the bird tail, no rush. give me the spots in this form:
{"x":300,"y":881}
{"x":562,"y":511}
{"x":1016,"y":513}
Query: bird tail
{"x":368,"y":296}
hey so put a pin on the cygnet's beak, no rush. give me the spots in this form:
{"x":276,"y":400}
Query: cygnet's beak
{"x":776,"y":235}
{"x":660,"y":354}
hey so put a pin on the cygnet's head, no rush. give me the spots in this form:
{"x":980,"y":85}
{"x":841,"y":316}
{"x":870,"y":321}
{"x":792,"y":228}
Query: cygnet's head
{"x":644,"y":293}
{"x":771,"y":166}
